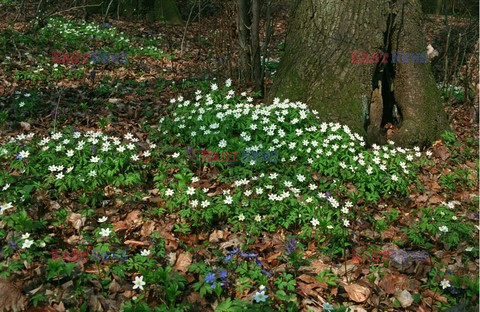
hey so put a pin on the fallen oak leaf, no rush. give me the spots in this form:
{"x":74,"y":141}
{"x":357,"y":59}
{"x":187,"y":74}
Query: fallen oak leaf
{"x":77,"y":220}
{"x":133,"y":218}
{"x":147,"y":228}
{"x":183,"y":262}
{"x":435,"y":296}
{"x":391,"y":283}
{"x":119,"y":226}
{"x":11,"y":298}
{"x":357,"y":293}
{"x":136,"y":243}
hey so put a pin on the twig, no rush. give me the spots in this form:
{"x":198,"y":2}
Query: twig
{"x":268,"y":33}
{"x":19,"y":10}
{"x":74,"y":8}
{"x":38,"y":7}
{"x":185,"y":30}
{"x":445,"y":68}
{"x":19,"y":54}
{"x":106,"y":13}
{"x":345,"y":255}
{"x":56,"y":110}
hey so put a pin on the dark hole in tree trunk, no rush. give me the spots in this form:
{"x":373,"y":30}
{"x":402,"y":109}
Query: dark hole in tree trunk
{"x":385,"y":72}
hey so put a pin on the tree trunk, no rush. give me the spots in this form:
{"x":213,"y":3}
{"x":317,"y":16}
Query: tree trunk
{"x":244,"y":38}
{"x":166,"y":10}
{"x":317,"y":68}
{"x":438,"y":7}
{"x":153,"y":10}
{"x":255,"y":32}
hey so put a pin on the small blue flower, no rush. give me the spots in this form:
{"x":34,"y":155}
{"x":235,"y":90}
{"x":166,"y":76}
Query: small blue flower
{"x":266,"y":273}
{"x":291,"y":246}
{"x":260,"y":296}
{"x":223,"y":274}
{"x":13,"y":245}
{"x":258,"y":262}
{"x":243,"y":254}
{"x":19,"y":156}
{"x":213,"y":286}
{"x":210,"y":278}
{"x":227,"y":258}
{"x":328,"y":306}
{"x":234,"y":251}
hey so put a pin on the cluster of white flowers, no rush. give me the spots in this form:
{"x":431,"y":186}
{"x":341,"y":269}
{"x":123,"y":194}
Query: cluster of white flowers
{"x":4,"y":207}
{"x":64,"y":166}
{"x":292,"y":131}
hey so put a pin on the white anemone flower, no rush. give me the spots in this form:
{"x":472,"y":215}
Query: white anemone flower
{"x":27,"y":243}
{"x":138,"y":282}
{"x":105,"y":232}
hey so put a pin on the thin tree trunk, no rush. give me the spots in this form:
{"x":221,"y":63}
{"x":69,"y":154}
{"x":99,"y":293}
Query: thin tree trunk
{"x":268,"y":34}
{"x":255,"y":34}
{"x":243,"y":38}
{"x":438,"y":7}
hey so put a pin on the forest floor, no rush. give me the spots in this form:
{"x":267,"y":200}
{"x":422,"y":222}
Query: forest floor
{"x":205,"y":236}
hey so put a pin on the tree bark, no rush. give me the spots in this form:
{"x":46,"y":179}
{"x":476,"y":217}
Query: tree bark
{"x":166,"y":10}
{"x":317,"y":68}
{"x":243,"y":38}
{"x":255,"y":32}
{"x":153,"y":10}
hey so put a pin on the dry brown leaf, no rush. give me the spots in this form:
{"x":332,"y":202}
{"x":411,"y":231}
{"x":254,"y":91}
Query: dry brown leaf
{"x":183,"y":261}
{"x":316,"y":266}
{"x":77,"y":220}
{"x":119,"y":226}
{"x":306,"y":289}
{"x":404,"y":297}
{"x":357,"y":293}
{"x":129,"y":293}
{"x":11,"y":299}
{"x":442,"y":152}
{"x":273,"y":256}
{"x":94,"y":303}
{"x":434,"y":186}
{"x":147,"y":228}
{"x":392,"y":282}
{"x":114,"y":100}
{"x":312,"y":281}
{"x":73,"y":239}
{"x":313,"y":305}
{"x":59,"y":307}
{"x":216,"y":236}
{"x":25,"y":126}
{"x":135,"y":243}
{"x":233,"y":241}
{"x":195,"y":297}
{"x":421,"y":199}
{"x":114,"y":287}
{"x":356,"y":308}
{"x":435,"y":199}
{"x":389,"y":234}
{"x":471,"y":164}
{"x":435,"y":296}
{"x":154,"y":191}
{"x":133,"y":218}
